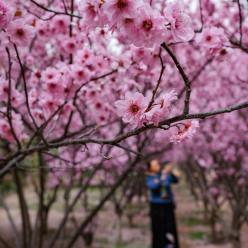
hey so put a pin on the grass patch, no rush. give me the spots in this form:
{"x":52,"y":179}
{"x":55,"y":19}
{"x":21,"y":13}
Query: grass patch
{"x":197,"y":235}
{"x":121,"y":245}
{"x":102,"y":241}
{"x":193,"y":221}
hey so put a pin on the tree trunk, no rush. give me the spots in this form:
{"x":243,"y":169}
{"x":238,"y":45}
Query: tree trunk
{"x":119,"y":230}
{"x":213,"y":220}
{"x":235,"y":235}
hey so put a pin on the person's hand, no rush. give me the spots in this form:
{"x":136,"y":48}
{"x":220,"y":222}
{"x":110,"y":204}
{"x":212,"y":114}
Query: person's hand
{"x":167,"y":169}
{"x":177,"y":173}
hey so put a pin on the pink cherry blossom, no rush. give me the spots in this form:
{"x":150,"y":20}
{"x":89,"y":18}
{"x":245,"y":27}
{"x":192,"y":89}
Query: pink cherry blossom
{"x":50,"y":74}
{"x":150,"y":28}
{"x":69,"y":45}
{"x":6,"y":14}
{"x":20,"y":33}
{"x":83,"y":55}
{"x":180,"y":23}
{"x":212,"y":38}
{"x":128,"y":28}
{"x":166,"y":99}
{"x":161,"y":108}
{"x":53,"y":87}
{"x":6,"y":132}
{"x":90,"y":12}
{"x":116,"y":10}
{"x":16,"y":96}
{"x":132,"y":108}
{"x":80,"y":74}
{"x":185,"y":130}
{"x":59,"y":24}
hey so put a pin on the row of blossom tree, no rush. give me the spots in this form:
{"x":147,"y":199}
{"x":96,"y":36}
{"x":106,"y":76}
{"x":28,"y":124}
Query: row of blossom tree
{"x":114,"y":83}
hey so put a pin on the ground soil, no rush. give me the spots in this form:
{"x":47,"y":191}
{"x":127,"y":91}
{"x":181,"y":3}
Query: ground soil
{"x":193,"y":232}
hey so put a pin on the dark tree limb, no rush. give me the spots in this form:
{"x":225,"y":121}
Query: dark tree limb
{"x":184,"y":77}
{"x":55,"y":12}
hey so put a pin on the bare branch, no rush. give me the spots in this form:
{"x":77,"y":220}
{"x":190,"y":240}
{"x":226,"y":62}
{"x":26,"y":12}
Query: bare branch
{"x":184,"y":77}
{"x":25,"y":85}
{"x":55,"y":12}
{"x":240,"y":22}
{"x":9,"y":105}
{"x":154,"y":92}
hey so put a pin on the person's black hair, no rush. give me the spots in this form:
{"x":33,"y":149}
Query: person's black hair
{"x":148,"y":165}
{"x":166,"y":162}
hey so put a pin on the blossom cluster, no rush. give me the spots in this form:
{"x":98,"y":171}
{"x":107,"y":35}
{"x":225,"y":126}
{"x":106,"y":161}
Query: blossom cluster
{"x":103,"y":62}
{"x":18,"y":30}
{"x":185,"y":130}
{"x":135,"y":108}
{"x":136,"y":22}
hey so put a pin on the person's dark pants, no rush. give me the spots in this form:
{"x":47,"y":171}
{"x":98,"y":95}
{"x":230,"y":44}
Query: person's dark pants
{"x":163,"y":222}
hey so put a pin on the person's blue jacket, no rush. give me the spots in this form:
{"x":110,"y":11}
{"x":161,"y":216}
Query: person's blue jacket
{"x":160,"y":190}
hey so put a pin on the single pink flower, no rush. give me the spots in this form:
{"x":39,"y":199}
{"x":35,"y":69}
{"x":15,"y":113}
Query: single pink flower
{"x":167,"y":98}
{"x":80,"y":74}
{"x":83,"y":56}
{"x":50,"y":74}
{"x":60,"y":24}
{"x":180,"y":23}
{"x":116,"y":10}
{"x":132,"y":108}
{"x":212,"y":38}
{"x":20,"y":33}
{"x":89,"y":10}
{"x":53,"y":87}
{"x":128,"y":28}
{"x":185,"y":130}
{"x":69,"y":45}
{"x":150,"y":30}
{"x":161,"y":108}
{"x":42,"y":29}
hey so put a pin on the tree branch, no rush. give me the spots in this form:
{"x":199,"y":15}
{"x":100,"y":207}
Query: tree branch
{"x":154,"y":92}
{"x":54,"y":11}
{"x":10,"y":163}
{"x":184,"y":77}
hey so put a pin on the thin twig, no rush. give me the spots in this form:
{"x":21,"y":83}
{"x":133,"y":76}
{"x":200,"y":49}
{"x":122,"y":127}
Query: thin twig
{"x":9,"y":105}
{"x":25,"y":85}
{"x":184,"y":77}
{"x":71,"y":27}
{"x":154,"y":92}
{"x":197,"y":74}
{"x":55,"y":12}
{"x":240,"y":22}
{"x":201,"y":17}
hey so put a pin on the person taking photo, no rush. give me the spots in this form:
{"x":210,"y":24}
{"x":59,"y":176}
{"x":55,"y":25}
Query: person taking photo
{"x":162,"y":205}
